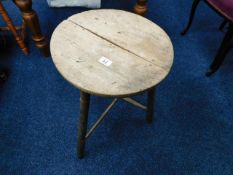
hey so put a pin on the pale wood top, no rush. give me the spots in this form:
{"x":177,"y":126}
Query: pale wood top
{"x":140,"y":51}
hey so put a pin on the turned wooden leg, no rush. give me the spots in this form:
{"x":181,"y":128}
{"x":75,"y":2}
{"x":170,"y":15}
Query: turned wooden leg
{"x":31,"y":19}
{"x":12,"y":28}
{"x":82,"y":130}
{"x":141,"y":7}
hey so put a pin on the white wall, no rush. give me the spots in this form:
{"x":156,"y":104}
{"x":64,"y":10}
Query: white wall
{"x":84,"y":3}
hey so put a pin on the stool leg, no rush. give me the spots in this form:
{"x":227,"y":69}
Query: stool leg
{"x":12,"y":28}
{"x":84,"y":107}
{"x":150,"y":105}
{"x":32,"y":21}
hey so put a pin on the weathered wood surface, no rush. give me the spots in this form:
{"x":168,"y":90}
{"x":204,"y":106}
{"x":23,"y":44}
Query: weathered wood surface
{"x":141,"y":52}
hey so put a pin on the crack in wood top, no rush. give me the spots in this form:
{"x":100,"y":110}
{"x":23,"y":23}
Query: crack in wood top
{"x":146,"y":59}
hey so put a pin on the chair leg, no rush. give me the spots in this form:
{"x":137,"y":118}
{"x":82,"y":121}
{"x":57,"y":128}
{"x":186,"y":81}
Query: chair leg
{"x":224,"y":23}
{"x":24,"y":30}
{"x":226,"y":45}
{"x":31,"y":19}
{"x":84,"y":108}
{"x":150,"y":105}
{"x":4,"y":73}
{"x":12,"y":28}
{"x":191,"y":17}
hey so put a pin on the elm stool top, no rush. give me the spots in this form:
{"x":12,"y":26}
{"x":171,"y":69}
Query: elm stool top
{"x":111,"y":53}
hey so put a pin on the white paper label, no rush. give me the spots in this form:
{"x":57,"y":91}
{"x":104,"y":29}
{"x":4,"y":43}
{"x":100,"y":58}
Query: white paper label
{"x":105,"y":61}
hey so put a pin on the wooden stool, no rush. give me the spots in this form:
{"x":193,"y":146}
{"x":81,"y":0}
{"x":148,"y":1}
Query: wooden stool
{"x":107,"y":53}
{"x":10,"y":26}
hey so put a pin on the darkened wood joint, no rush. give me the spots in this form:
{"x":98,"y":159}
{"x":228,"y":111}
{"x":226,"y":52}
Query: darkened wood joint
{"x":31,"y":19}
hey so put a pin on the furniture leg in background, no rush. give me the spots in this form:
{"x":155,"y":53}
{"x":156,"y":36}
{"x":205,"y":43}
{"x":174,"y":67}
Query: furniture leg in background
{"x":3,"y":75}
{"x":12,"y":28}
{"x":224,"y":23}
{"x":225,"y":9}
{"x":31,"y":19}
{"x":226,"y":45}
{"x":191,"y":17}
{"x":141,"y":7}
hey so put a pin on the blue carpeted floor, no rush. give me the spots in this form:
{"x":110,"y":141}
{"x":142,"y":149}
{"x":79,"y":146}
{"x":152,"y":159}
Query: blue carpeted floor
{"x":193,"y":131}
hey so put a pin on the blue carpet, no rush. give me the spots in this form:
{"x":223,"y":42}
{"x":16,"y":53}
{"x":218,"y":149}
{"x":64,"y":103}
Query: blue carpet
{"x":193,"y":131}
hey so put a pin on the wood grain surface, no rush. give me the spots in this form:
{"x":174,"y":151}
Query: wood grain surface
{"x":140,"y":52}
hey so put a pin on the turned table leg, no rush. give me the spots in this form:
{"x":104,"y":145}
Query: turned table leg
{"x":141,"y":7}
{"x":31,"y":19}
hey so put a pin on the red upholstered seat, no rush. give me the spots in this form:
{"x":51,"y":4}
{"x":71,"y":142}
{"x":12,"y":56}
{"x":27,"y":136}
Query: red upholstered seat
{"x":225,"y":7}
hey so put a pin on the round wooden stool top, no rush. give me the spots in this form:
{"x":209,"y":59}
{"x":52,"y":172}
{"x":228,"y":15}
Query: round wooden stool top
{"x":111,"y":52}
